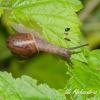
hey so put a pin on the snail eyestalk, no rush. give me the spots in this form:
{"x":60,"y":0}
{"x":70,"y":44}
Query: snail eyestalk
{"x":72,"y":48}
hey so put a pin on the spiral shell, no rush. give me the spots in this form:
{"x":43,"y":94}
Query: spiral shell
{"x":23,"y":46}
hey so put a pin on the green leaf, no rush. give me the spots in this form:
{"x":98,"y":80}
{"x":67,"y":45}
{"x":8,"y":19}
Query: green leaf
{"x":80,"y":57}
{"x":96,"y":97}
{"x":85,"y":79}
{"x":94,"y":59}
{"x":50,"y":18}
{"x":26,"y":89}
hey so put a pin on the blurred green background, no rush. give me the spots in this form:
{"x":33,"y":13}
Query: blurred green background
{"x":44,"y":67}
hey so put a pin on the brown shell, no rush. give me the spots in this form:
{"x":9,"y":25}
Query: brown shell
{"x":22,"y":45}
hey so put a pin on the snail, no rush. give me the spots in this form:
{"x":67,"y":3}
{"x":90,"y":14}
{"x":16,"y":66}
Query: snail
{"x":28,"y":43}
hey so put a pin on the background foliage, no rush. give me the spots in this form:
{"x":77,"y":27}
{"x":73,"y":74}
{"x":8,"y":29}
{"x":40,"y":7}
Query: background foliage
{"x":47,"y":69}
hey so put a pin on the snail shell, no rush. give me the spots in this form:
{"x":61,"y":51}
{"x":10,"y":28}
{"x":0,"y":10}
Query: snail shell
{"x":23,"y":46}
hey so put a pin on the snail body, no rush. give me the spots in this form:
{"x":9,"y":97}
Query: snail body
{"x":25,"y":44}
